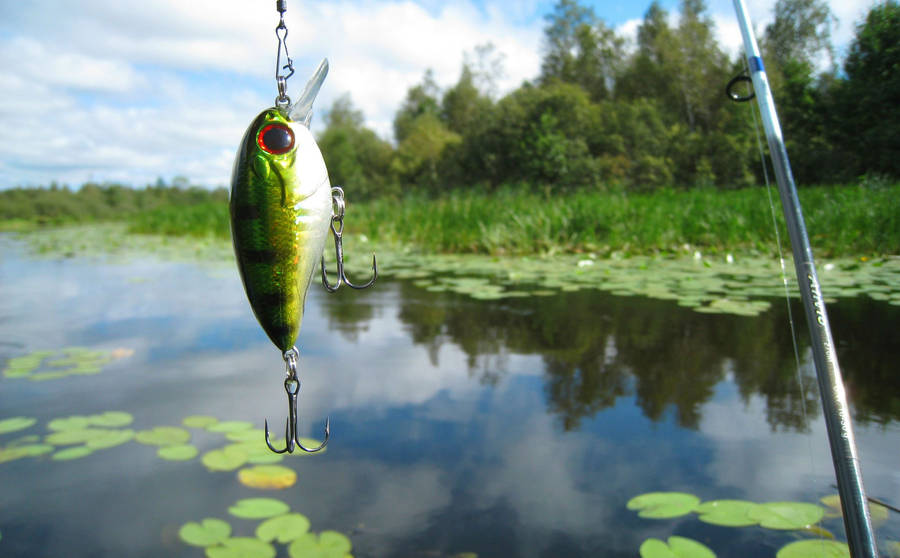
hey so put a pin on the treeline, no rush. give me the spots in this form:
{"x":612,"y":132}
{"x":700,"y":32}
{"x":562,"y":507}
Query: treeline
{"x":176,"y":208}
{"x":606,"y":115}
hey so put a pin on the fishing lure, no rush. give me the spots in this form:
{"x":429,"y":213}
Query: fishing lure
{"x":281,"y":207}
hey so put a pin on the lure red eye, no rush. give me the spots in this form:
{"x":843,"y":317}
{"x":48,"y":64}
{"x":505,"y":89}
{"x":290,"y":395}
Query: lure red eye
{"x":275,"y":139}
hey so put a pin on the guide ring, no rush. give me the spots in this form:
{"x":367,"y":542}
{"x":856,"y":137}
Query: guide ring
{"x":736,"y":97}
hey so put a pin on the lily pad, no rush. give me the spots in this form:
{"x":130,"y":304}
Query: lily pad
{"x":230,"y":426}
{"x":675,"y":547}
{"x":663,"y":505}
{"x":19,"y":452}
{"x":208,"y":532}
{"x":163,"y":436}
{"x":247,"y":435}
{"x":878,"y":513}
{"x":815,"y":548}
{"x":72,"y":453}
{"x":199,"y":421}
{"x":74,"y":422}
{"x":272,"y":477}
{"x":283,"y":528}
{"x":76,"y":436}
{"x":328,"y":544}
{"x":258,"y":508}
{"x":729,"y":513}
{"x":181,"y":452}
{"x":111,"y":439}
{"x":786,"y":515}
{"x":225,"y":459}
{"x":241,"y":547}
{"x":111,"y":419}
{"x":15,"y":423}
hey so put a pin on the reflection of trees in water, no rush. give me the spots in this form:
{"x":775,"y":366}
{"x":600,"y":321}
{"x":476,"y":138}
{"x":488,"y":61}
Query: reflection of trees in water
{"x":866,"y":334}
{"x":348,"y":312}
{"x":597,"y":348}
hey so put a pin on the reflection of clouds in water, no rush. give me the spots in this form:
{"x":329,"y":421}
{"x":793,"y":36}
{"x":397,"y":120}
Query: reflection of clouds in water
{"x":779,"y":465}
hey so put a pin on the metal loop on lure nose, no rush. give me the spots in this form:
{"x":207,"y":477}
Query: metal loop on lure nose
{"x":337,"y":216}
{"x":292,"y":388}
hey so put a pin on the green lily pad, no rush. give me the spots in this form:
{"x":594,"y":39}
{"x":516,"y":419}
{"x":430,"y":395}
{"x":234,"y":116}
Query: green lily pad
{"x":283,"y":528}
{"x":19,"y":452}
{"x":182,"y":452}
{"x":877,"y":512}
{"x":76,"y":436}
{"x":893,"y":548}
{"x":258,"y":508}
{"x":677,"y":547}
{"x":208,"y":532}
{"x":247,"y":435}
{"x":111,"y":419}
{"x":230,"y":426}
{"x":241,"y":547}
{"x":728,"y":513}
{"x":225,"y":459}
{"x":163,"y":436}
{"x":15,"y":423}
{"x":199,"y":421}
{"x":663,"y":505}
{"x":815,"y":548}
{"x":328,"y":544}
{"x":111,"y":439}
{"x":72,"y":453}
{"x":272,"y":477}
{"x":786,"y":515}
{"x":75,"y":422}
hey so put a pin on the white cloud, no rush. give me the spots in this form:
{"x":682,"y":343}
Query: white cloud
{"x":117,"y":91}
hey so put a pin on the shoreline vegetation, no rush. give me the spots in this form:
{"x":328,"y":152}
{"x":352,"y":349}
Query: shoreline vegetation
{"x":857,"y":221}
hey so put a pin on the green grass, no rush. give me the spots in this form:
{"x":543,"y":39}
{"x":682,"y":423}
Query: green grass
{"x":842,"y":220}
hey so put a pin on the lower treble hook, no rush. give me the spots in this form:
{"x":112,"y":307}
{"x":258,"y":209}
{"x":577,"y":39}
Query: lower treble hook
{"x":292,"y":388}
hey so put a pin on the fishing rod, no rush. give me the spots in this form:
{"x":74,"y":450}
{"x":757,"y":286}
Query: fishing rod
{"x":857,"y":522}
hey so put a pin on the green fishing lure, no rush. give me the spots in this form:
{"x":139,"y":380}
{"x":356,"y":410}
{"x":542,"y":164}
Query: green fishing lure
{"x":280,"y":214}
{"x":282,"y":206}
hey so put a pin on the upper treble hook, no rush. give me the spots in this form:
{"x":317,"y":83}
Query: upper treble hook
{"x":337,"y":196}
{"x":292,"y":387}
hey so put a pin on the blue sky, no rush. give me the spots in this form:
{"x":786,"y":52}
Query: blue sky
{"x":131,"y":91}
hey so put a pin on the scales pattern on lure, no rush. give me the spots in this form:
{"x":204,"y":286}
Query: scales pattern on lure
{"x":280,"y":214}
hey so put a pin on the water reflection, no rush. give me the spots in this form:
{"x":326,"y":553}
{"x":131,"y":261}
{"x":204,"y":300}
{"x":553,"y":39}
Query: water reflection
{"x":511,"y":428}
{"x":597,"y":348}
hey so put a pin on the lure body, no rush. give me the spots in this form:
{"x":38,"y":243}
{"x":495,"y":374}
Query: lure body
{"x":280,"y":213}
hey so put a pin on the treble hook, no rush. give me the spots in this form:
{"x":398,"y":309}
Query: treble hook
{"x":337,"y":197}
{"x":292,"y":387}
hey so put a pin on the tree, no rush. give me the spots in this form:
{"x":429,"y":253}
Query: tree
{"x":420,"y":99}
{"x":868,"y":101}
{"x":580,"y":49}
{"x":800,"y":32}
{"x":355,"y":156}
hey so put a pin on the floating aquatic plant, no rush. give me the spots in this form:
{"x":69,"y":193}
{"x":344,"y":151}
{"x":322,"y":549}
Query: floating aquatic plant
{"x":241,"y":547}
{"x":662,"y":505}
{"x":728,"y":513}
{"x":258,"y":508}
{"x":814,"y":548}
{"x":199,"y":421}
{"x":283,"y":528}
{"x":326,"y":544}
{"x":163,"y":436}
{"x":181,"y":452}
{"x":207,"y":532}
{"x":68,"y":361}
{"x":272,"y":477}
{"x":675,"y":547}
{"x":16,"y":423}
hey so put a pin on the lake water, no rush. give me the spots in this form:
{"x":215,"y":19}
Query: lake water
{"x":511,"y":428}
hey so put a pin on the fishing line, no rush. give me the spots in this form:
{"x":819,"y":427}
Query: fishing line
{"x":784,"y":276}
